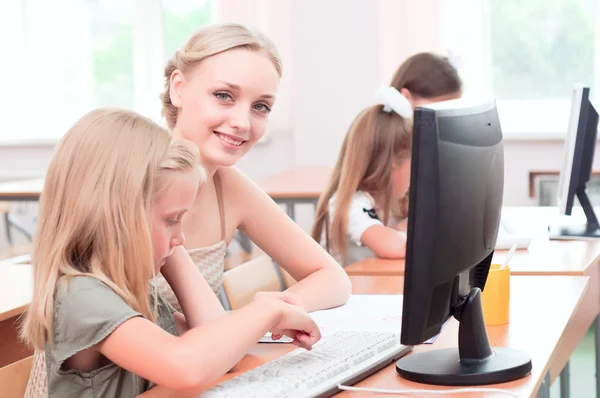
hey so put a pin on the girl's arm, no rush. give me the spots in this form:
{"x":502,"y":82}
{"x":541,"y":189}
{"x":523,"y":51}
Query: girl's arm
{"x":385,"y":242}
{"x":322,"y":283}
{"x":202,"y":355}
{"x":197,"y":300}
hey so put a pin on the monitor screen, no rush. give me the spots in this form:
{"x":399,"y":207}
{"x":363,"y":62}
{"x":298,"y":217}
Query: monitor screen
{"x":568,"y":176}
{"x":580,"y":144}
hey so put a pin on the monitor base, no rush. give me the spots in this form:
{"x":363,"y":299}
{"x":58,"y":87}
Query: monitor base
{"x":590,"y":230}
{"x":473,"y":362}
{"x":565,"y":232}
{"x":443,"y":367}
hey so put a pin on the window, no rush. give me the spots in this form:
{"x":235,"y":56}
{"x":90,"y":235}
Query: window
{"x":528,"y":55}
{"x":112,"y":62}
{"x":99,"y":53}
{"x":182,"y":18}
{"x":539,"y":48}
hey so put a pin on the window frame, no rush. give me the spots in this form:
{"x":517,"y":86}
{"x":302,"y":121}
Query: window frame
{"x":149,"y":58}
{"x":471,"y":47}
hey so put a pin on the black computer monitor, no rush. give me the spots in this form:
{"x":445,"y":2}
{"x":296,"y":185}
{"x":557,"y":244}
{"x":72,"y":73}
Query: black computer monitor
{"x":456,"y":187}
{"x":580,"y":143}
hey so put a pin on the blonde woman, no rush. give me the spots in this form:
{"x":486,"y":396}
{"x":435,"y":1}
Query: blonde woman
{"x":109,"y":220}
{"x":219,"y":90}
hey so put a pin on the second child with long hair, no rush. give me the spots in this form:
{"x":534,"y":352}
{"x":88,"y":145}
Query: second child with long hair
{"x":372,"y":172}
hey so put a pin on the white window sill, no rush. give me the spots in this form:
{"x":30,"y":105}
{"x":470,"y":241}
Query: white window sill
{"x":535,"y":137}
{"x":33,"y":142}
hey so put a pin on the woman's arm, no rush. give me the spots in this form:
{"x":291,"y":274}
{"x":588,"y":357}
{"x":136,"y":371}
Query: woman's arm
{"x":197,"y":300}
{"x":180,"y":323}
{"x":202,"y":355}
{"x":322,"y":283}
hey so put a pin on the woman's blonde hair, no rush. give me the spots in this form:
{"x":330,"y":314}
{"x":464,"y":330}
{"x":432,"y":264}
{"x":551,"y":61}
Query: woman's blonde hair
{"x":375,"y":140}
{"x":94,"y":207}
{"x":205,"y":43}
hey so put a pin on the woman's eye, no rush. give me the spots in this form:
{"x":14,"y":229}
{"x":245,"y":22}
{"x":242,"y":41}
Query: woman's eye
{"x":262,"y":108}
{"x":223,"y":96}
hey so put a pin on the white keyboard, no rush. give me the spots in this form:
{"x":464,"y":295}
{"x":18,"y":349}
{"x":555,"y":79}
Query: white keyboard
{"x":340,"y":358}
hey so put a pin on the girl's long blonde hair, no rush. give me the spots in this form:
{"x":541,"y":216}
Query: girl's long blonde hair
{"x":375,"y":140}
{"x":94,"y":208}
{"x":205,"y":43}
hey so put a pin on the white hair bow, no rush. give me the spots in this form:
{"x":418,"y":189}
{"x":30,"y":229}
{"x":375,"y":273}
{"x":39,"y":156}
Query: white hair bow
{"x":392,"y":100}
{"x":454,"y":59}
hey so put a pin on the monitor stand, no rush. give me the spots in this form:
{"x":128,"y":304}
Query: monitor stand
{"x":590,"y":230}
{"x":474,"y":362}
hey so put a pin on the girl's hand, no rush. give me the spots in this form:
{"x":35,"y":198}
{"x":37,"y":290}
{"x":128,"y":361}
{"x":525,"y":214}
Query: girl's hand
{"x":299,"y":339}
{"x":297,"y":325}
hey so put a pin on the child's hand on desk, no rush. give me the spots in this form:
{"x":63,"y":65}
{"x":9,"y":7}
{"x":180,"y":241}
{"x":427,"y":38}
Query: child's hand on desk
{"x":302,"y":338}
{"x":295,"y":323}
{"x":283,"y":296}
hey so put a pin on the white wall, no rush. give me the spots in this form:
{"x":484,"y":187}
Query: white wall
{"x":336,"y":71}
{"x":335,"y":53}
{"x":401,"y":36}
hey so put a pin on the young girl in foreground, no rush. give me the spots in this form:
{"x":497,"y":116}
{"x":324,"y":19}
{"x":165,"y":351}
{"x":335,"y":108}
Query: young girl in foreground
{"x":111,"y":213}
{"x":353,"y":218}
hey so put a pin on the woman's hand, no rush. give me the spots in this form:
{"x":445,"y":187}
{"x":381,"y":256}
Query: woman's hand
{"x":284,"y":296}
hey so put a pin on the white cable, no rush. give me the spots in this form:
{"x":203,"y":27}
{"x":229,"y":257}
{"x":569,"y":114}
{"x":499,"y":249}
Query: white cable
{"x":429,"y":392}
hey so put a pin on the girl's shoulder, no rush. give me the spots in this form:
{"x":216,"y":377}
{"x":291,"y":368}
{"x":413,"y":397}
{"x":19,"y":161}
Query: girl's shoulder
{"x":86,"y":303}
{"x":363,"y":197}
{"x":78,"y":287}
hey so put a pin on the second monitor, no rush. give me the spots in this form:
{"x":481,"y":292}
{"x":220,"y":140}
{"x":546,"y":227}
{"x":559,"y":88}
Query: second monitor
{"x":580,"y":144}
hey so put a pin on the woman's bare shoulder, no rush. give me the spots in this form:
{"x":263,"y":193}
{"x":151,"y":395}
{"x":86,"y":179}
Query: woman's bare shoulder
{"x":236,"y":182}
